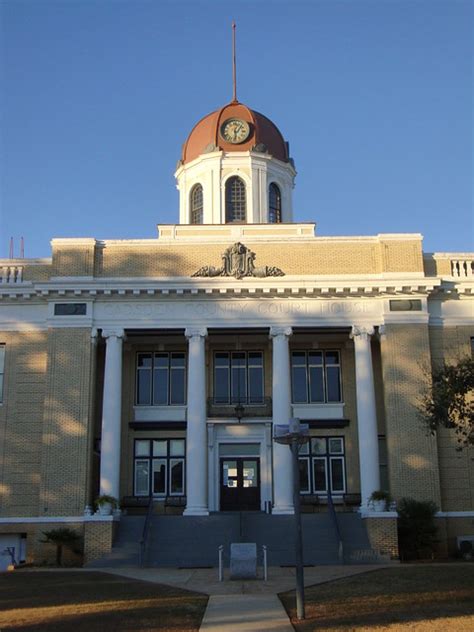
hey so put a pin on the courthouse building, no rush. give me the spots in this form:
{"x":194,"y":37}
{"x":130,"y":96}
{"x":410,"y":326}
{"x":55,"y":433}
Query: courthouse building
{"x":159,"y":367}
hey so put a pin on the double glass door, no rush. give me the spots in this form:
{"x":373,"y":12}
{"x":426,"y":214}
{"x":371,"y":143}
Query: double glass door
{"x":240,"y":484}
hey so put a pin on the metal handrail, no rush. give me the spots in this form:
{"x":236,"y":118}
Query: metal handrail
{"x":335,"y":522}
{"x":145,"y":532}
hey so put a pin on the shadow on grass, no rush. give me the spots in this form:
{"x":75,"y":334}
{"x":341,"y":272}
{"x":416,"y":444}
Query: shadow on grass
{"x":391,"y":596}
{"x":60,"y":602}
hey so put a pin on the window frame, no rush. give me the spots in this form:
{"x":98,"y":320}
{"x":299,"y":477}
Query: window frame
{"x":248,"y":367}
{"x":308,"y":376}
{"x":276,"y":209}
{"x":328,"y":457}
{"x":169,"y":373}
{"x":153,"y":459}
{"x":196,"y":208}
{"x":230,"y":204}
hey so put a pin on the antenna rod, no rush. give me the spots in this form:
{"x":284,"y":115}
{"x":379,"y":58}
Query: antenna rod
{"x":234,"y":69}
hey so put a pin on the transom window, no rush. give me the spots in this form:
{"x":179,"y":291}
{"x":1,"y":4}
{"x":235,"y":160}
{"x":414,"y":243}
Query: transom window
{"x":274,"y":204}
{"x":238,"y":377}
{"x":235,"y":200}
{"x":2,"y":369}
{"x":316,"y":377}
{"x":197,"y":204}
{"x":322,"y":466}
{"x":161,"y":379}
{"x":159,"y":467}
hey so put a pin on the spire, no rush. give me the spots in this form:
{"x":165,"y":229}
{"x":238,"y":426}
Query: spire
{"x":234,"y":69}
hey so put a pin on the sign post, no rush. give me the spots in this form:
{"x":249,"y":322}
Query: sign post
{"x":294,"y":435}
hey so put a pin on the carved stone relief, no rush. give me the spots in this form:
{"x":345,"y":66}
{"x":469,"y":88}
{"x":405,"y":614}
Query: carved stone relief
{"x":238,"y":261}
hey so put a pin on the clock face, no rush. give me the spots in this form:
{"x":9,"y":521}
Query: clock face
{"x":235,"y":130}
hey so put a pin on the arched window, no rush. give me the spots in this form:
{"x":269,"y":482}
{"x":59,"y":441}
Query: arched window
{"x":196,"y":199}
{"x":235,"y":200}
{"x":274,"y":204}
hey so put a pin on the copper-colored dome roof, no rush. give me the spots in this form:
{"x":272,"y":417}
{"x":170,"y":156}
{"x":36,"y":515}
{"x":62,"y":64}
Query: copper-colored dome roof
{"x":264,"y":135}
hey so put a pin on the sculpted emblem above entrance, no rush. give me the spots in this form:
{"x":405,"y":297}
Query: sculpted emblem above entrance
{"x":238,"y":261}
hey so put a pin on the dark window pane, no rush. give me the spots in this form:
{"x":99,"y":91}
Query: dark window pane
{"x":177,"y":395}
{"x":255,"y":358}
{"x":222,"y":359}
{"x":235,"y":200}
{"x":332,"y":357}
{"x":161,"y":360}
{"x":177,"y":476}
{"x":159,"y":477}
{"x":221,"y":385}
{"x":304,"y":475}
{"x":318,"y":445}
{"x":239,"y":384}
{"x":337,"y":475}
{"x":178,"y":360}
{"x":255,"y":385}
{"x":316,"y":384}
{"x":144,"y":387}
{"x":315,"y":357}
{"x":160,"y":387}
{"x":298,"y":358}
{"x":274,"y":204}
{"x":333,"y":384}
{"x":299,"y":385}
{"x":144,"y":360}
{"x":336,"y":446}
{"x":142,"y":473}
{"x":319,"y":471}
{"x":197,"y":204}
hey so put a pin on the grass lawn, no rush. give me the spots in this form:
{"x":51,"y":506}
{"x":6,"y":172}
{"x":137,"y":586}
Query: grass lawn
{"x":422,"y":598}
{"x":92,"y":602}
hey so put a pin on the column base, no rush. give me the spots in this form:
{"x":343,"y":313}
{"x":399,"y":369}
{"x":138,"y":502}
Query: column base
{"x":283,"y":510}
{"x":196,"y":511}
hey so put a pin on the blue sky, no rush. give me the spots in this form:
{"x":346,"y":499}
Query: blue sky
{"x":374,"y":96}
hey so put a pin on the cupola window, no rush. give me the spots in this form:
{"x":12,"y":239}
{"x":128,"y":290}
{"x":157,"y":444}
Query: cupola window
{"x":197,"y":204}
{"x":274,"y":204}
{"x":235,"y":200}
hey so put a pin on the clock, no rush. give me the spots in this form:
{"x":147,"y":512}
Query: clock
{"x":235,"y":130}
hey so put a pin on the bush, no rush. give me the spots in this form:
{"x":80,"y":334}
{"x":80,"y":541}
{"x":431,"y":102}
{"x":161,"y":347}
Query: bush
{"x":60,"y":538}
{"x":416,"y":529}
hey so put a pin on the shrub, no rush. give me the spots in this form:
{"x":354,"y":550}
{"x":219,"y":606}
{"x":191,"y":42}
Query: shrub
{"x":416,"y":529}
{"x":60,"y":538}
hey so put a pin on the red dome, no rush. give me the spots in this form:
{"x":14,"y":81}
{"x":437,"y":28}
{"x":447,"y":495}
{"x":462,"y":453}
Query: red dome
{"x":264,"y":136}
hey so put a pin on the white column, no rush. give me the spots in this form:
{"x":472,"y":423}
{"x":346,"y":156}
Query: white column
{"x":366,"y":414}
{"x":281,"y":393}
{"x":196,"y":435}
{"x":111,"y":415}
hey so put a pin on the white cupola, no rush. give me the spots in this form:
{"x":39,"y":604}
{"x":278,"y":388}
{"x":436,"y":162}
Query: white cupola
{"x":235,"y":168}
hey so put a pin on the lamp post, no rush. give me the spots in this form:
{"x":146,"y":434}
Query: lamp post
{"x":294,"y":435}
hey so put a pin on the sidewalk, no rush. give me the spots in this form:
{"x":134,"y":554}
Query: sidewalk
{"x":242,"y":606}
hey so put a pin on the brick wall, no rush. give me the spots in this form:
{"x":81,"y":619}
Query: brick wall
{"x":98,"y":538}
{"x":413,"y":458}
{"x":383,"y":535}
{"x":67,"y":426}
{"x":21,"y":421}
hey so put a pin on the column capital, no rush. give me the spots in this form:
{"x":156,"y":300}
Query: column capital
{"x":361,"y":332}
{"x":280,"y":331}
{"x":113,"y":333}
{"x":194,"y":332}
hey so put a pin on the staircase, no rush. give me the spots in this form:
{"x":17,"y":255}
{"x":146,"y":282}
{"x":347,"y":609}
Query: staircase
{"x":193,"y":541}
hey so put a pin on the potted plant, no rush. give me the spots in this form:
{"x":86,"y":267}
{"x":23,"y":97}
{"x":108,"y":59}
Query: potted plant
{"x":379,"y":500}
{"x":106,"y":504}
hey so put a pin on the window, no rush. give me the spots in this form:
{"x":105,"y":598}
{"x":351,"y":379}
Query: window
{"x":197,"y":204}
{"x":2,"y":369}
{"x":159,"y":467}
{"x":322,"y":466}
{"x":274,"y":204}
{"x":316,"y":377}
{"x":161,"y":379}
{"x":70,"y":309}
{"x":238,"y":377}
{"x":235,"y":200}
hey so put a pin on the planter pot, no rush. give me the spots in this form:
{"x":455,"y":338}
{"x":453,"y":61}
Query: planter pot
{"x":105,"y":509}
{"x":379,"y":505}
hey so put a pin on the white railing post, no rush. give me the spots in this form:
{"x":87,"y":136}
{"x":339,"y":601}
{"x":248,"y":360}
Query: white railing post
{"x":265,"y":566}
{"x":221,"y":563}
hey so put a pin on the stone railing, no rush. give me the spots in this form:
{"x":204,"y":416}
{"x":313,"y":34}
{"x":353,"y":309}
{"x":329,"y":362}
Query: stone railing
{"x":462,"y":268}
{"x":11,"y":274}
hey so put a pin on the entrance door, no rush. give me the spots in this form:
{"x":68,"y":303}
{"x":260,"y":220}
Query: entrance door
{"x":240,"y":484}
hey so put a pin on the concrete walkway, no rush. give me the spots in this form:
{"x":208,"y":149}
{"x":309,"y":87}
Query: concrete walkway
{"x":241,"y":606}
